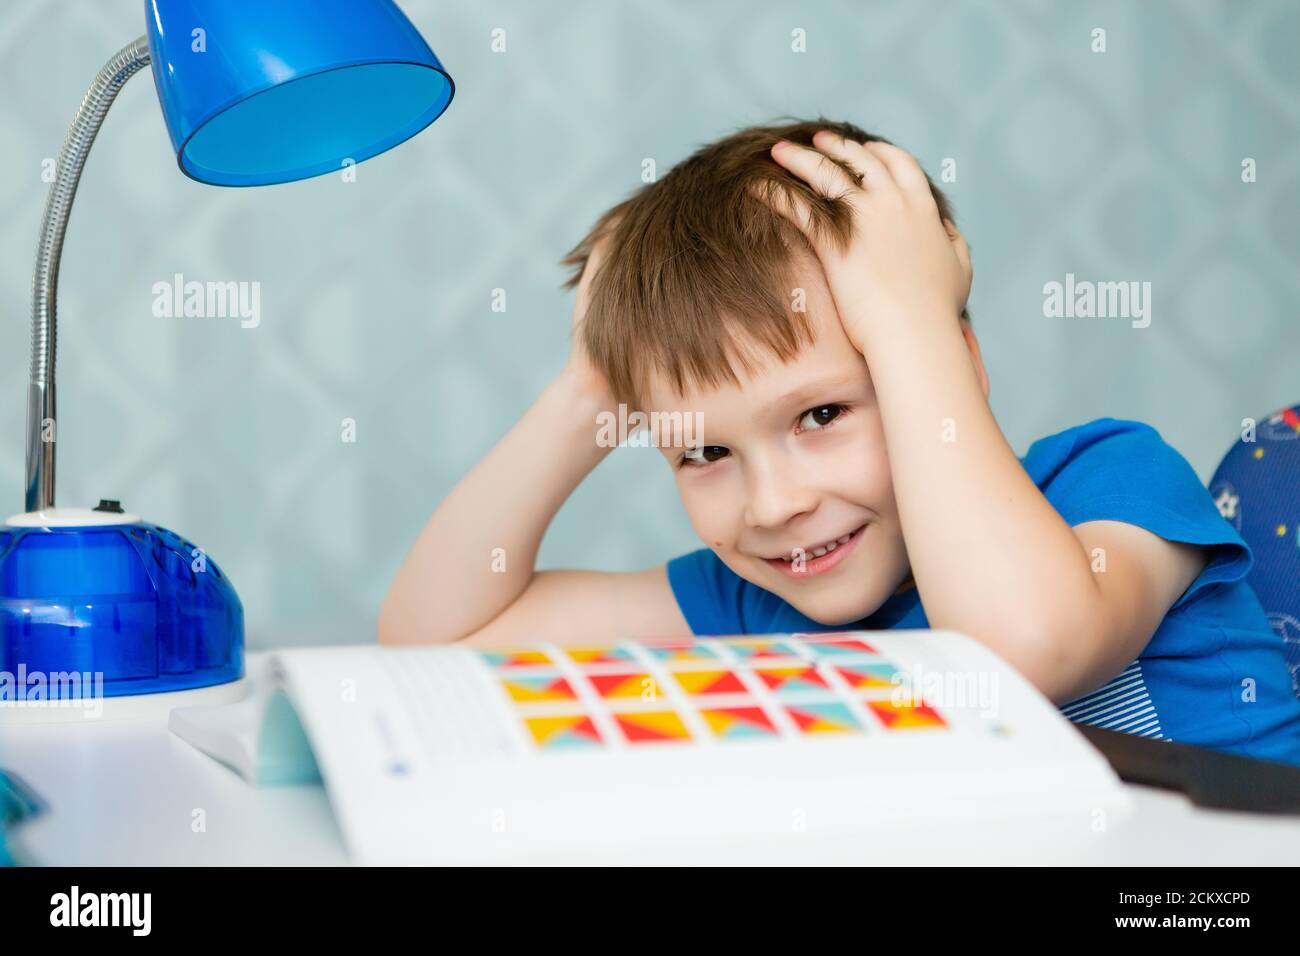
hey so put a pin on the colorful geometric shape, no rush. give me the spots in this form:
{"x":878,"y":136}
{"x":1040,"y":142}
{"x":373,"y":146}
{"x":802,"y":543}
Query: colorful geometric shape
{"x":516,"y":658}
{"x":906,"y":715}
{"x":831,"y":717}
{"x":567,"y":732}
{"x":865,"y":676}
{"x":537,"y":687}
{"x":652,"y":727}
{"x":639,"y":685}
{"x":694,"y":651}
{"x":599,"y":655}
{"x":829,"y":646}
{"x":709,"y":682}
{"x":738,"y":723}
{"x":757,"y":649}
{"x":798,"y":677}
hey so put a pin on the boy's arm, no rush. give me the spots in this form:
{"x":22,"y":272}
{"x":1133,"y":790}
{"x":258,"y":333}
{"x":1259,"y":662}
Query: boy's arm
{"x":588,"y":608}
{"x":454,"y":583}
{"x":470,"y":573}
{"x":990,"y":555}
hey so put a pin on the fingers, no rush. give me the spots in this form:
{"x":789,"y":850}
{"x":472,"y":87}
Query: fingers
{"x":595,"y":259}
{"x":836,"y":165}
{"x":852,"y":154}
{"x":787,"y":203}
{"x":880,"y":166}
{"x":814,"y":168}
{"x":903,"y":167}
{"x":960,"y":247}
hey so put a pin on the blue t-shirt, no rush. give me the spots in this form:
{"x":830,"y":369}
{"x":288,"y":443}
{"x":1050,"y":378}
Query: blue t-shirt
{"x":1213,"y":673}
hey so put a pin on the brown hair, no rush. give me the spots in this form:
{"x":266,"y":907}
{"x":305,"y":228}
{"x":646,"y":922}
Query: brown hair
{"x":698,"y":269}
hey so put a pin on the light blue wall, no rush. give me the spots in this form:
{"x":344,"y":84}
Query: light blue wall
{"x":376,"y":294}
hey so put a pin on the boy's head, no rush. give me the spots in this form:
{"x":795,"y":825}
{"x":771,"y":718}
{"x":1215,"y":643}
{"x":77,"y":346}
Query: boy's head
{"x":710,"y":304}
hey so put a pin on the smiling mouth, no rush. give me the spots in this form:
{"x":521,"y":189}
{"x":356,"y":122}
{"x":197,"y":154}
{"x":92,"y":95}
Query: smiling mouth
{"x":809,"y":562}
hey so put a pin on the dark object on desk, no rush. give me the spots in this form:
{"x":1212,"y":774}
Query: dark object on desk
{"x":1209,"y":778}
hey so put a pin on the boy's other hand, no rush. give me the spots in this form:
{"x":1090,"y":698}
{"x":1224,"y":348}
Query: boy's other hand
{"x":580,"y":371}
{"x":902,"y":262}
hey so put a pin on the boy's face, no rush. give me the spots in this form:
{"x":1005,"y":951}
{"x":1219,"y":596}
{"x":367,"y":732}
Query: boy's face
{"x":791,"y":463}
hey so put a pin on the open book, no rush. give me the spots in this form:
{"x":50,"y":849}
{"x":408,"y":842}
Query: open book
{"x":457,"y":754}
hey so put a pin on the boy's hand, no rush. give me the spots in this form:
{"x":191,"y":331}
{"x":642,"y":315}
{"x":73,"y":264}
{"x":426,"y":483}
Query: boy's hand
{"x":902,"y":263}
{"x":579,"y":370}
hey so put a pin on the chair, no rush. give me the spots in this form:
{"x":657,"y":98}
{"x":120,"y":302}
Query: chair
{"x":1257,"y":489}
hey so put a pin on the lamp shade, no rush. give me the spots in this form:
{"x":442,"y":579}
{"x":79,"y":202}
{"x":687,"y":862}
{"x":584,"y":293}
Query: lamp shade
{"x":267,"y":91}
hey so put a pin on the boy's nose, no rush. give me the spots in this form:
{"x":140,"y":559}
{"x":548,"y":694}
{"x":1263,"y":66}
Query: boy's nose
{"x":777,"y":494}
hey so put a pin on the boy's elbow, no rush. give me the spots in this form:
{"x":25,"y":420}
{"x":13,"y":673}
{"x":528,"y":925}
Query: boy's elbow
{"x":1043,"y":651}
{"x":1056,"y":645}
{"x":384,"y":629}
{"x":1054,"y":675}
{"x":402,"y":626}
{"x":391,"y":629}
{"x":1062,"y":664}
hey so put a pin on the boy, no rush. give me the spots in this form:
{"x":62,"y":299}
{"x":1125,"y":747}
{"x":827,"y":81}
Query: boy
{"x":800,"y":290}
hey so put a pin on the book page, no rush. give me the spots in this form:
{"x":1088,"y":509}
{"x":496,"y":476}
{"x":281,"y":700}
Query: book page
{"x":439,"y":753}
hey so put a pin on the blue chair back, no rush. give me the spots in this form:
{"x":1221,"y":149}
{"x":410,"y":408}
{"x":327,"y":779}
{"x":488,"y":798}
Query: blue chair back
{"x":1257,"y":489}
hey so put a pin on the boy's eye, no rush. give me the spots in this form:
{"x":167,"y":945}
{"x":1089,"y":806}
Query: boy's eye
{"x":820,"y":417}
{"x":704,"y":455}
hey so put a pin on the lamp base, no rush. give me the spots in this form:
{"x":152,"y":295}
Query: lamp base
{"x":98,"y":604}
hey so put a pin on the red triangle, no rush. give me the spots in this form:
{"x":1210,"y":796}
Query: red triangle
{"x":728,"y":683}
{"x":604,"y":683}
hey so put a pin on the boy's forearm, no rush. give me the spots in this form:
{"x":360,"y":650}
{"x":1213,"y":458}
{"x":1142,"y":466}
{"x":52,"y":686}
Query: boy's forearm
{"x":475,"y":555}
{"x":990,"y":555}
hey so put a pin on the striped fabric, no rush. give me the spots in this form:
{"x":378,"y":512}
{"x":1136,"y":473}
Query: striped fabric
{"x":1123,"y":704}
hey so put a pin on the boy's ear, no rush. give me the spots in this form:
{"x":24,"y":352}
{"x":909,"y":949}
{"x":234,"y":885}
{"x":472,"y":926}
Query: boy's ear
{"x":976,"y":358}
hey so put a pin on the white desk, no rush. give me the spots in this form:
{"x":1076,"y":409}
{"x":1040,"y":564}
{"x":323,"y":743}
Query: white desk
{"x":124,"y":792}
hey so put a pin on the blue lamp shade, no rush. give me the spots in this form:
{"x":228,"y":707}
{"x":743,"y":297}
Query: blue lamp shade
{"x":268,"y":91}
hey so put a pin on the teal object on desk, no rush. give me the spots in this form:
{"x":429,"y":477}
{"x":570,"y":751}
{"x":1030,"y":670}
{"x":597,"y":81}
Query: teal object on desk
{"x":253,"y":92}
{"x":17,"y":805}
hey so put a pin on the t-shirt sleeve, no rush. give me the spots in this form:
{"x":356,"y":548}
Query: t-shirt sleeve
{"x":709,"y":593}
{"x":1124,"y":471}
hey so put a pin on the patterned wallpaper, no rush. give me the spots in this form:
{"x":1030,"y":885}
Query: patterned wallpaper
{"x":376,"y":295}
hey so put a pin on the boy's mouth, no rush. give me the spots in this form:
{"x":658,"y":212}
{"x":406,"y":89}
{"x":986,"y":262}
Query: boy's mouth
{"x":810,"y":562}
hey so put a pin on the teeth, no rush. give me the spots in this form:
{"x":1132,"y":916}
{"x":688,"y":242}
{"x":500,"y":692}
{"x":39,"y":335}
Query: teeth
{"x":821,"y":549}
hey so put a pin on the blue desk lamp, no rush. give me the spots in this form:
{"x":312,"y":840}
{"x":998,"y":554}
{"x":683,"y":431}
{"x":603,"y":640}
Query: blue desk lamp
{"x":253,"y":92}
